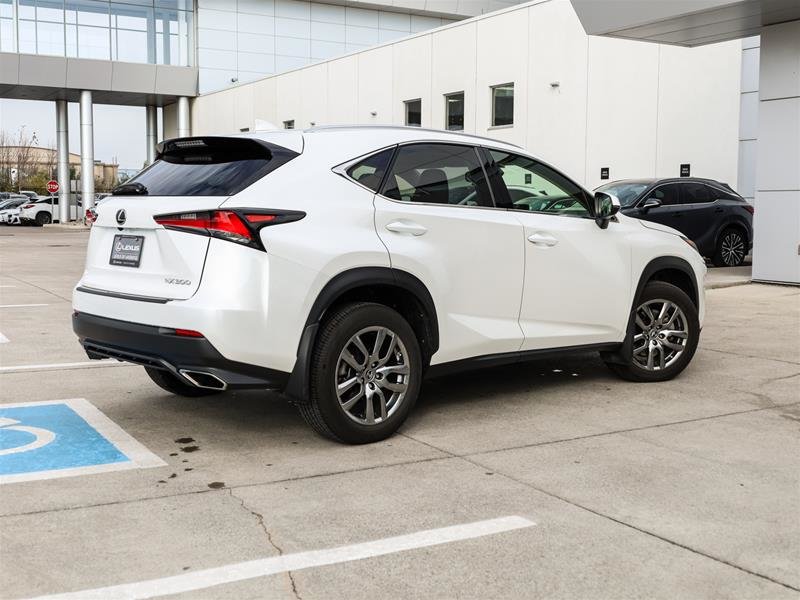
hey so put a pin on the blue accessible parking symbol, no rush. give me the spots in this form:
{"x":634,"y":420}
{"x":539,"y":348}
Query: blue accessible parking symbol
{"x":61,"y":438}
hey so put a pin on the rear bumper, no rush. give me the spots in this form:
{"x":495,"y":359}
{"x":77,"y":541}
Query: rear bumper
{"x":191,"y":359}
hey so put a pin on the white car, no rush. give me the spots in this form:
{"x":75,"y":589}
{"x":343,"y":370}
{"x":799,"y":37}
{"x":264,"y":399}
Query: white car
{"x":10,"y":209}
{"x":43,"y":211}
{"x":342,"y":264}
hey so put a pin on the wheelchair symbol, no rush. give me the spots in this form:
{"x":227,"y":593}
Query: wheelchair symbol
{"x":42,"y":436}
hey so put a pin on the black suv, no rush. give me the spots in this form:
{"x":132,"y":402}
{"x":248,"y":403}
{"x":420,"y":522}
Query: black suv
{"x":708,"y":212}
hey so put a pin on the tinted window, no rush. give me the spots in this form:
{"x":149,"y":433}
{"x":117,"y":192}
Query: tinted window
{"x":529,"y":185}
{"x":414,"y":113}
{"x":503,"y":105}
{"x":720,"y":193}
{"x":669,"y":194}
{"x":369,"y":172}
{"x":696,"y":193}
{"x":206,"y":167}
{"x":454,"y":111}
{"x":438,"y":174}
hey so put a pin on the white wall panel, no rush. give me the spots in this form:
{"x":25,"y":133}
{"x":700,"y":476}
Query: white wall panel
{"x":499,"y":63}
{"x":343,"y":90}
{"x":453,"y":70}
{"x":556,"y":116}
{"x":314,"y":99}
{"x":412,"y":77}
{"x":683,"y":131}
{"x":622,"y":115}
{"x":375,"y":75}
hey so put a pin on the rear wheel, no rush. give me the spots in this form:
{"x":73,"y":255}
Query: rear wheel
{"x":366,"y":371}
{"x":731,"y":248}
{"x":665,"y":336}
{"x":170,"y":382}
{"x":43,"y":218}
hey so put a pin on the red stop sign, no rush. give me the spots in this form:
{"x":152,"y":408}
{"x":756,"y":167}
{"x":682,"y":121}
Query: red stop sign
{"x":52,"y":186}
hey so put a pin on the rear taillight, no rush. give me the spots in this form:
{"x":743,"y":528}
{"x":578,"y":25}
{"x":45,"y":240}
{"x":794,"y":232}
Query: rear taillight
{"x":239,"y":225}
{"x":91,"y":216}
{"x":750,"y":208}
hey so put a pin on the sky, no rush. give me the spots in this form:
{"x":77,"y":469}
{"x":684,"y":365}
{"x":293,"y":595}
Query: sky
{"x":119,"y":131}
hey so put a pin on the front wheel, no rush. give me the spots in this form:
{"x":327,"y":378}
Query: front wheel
{"x":366,"y":370}
{"x":665,"y":334}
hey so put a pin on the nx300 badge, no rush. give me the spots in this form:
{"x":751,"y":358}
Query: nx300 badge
{"x":173,"y":281}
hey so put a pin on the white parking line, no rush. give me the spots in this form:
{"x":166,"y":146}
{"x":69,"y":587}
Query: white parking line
{"x":20,"y":305}
{"x":88,"y":364}
{"x":206,"y":578}
{"x":3,"y":339}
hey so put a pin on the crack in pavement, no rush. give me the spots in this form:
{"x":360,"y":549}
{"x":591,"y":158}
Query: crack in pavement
{"x":788,"y":362}
{"x":45,"y":290}
{"x":260,"y":519}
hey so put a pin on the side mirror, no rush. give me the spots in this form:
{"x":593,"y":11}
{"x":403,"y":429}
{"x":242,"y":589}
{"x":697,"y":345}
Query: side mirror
{"x":605,"y":207}
{"x":650,"y":203}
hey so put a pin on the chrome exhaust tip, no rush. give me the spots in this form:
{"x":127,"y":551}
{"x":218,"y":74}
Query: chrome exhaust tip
{"x":201,"y":379}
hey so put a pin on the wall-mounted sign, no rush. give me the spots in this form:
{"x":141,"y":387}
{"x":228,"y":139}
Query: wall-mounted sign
{"x":686,"y":170}
{"x":604,"y":172}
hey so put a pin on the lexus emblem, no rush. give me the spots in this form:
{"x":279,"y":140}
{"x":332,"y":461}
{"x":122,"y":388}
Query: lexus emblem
{"x":121,"y":216}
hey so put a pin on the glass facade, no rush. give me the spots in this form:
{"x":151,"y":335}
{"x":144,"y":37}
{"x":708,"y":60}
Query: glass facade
{"x":140,"y":31}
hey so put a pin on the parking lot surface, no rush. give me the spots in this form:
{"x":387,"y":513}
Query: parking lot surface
{"x":539,"y":480}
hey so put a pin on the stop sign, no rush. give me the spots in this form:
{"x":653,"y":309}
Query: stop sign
{"x":52,"y":186}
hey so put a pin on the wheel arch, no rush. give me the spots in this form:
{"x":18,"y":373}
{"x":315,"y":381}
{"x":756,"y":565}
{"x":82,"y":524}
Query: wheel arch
{"x":391,"y":287}
{"x":670,"y":269}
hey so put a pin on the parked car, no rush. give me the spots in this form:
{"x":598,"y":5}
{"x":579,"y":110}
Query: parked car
{"x":43,"y":211}
{"x":708,"y":212}
{"x":30,"y":194}
{"x":342,"y":264}
{"x":10,"y":209}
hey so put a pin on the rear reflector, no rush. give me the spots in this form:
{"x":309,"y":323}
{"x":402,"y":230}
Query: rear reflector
{"x":188,"y":333}
{"x":750,"y":208}
{"x":260,"y":218}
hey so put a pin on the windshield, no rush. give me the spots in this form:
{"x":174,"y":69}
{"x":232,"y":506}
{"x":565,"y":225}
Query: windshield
{"x":627,"y":192}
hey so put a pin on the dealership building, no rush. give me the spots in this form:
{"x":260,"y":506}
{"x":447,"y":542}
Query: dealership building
{"x":600,"y":88}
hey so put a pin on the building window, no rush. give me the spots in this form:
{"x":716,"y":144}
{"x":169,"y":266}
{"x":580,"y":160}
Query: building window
{"x":414,"y":112}
{"x":288,"y":124}
{"x":454,"y":111}
{"x":503,"y":105}
{"x":140,"y":31}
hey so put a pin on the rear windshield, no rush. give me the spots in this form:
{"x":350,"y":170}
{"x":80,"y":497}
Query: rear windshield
{"x":209,"y":166}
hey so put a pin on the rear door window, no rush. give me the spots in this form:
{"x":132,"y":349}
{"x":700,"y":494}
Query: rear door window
{"x":212,"y":166}
{"x":438,"y":174}
{"x":696,"y":193}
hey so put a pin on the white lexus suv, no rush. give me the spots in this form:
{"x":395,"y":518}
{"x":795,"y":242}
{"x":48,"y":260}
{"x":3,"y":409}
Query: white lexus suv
{"x":341,"y":265}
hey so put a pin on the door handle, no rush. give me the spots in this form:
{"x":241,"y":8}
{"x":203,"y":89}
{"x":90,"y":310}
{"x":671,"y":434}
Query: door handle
{"x":407,"y":227}
{"x":541,"y":239}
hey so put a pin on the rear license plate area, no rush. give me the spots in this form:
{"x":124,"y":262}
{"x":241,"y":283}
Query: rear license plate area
{"x":126,"y":251}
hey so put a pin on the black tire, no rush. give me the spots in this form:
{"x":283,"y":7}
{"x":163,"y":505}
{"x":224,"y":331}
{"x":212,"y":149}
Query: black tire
{"x":170,"y":382}
{"x":654,"y":291}
{"x":322,"y":410}
{"x":43,"y":218}
{"x":731,"y":248}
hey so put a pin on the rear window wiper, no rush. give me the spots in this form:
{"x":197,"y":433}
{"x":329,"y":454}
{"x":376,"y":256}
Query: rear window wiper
{"x":130,"y":189}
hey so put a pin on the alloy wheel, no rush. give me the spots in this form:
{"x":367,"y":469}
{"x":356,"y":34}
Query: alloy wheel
{"x":732,"y":249}
{"x":661,"y":335}
{"x":372,"y":375}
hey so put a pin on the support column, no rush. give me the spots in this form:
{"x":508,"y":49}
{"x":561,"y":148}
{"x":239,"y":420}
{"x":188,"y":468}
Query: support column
{"x":62,"y":161}
{"x":87,"y":150}
{"x":151,"y":118}
{"x":184,"y":119}
{"x":776,"y":253}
